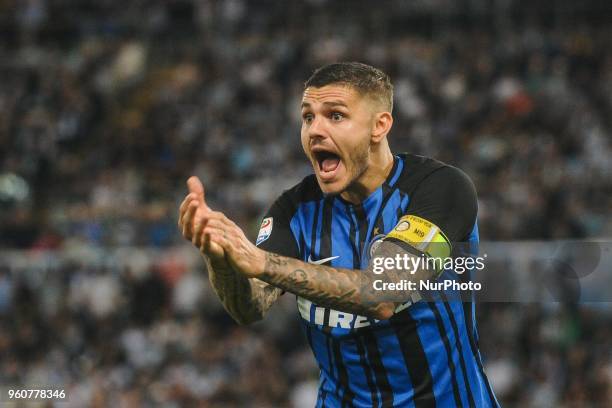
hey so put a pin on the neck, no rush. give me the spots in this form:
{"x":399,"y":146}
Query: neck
{"x":379,"y":167}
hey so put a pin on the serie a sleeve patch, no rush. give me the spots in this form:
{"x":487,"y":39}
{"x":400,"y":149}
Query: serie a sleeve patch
{"x":265,"y":230}
{"x":422,"y":235}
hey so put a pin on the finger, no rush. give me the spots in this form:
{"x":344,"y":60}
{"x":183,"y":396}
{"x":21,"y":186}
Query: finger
{"x":211,"y":218}
{"x":220,"y":233}
{"x":217,"y":223}
{"x":209,"y":241}
{"x":231,"y":231}
{"x":219,"y":216}
{"x":205,"y":241}
{"x":187,"y":219}
{"x":183,"y":207}
{"x":217,"y":237}
{"x":198,"y":227}
{"x":214,"y":230}
{"x":185,"y":203}
{"x":196,"y":187}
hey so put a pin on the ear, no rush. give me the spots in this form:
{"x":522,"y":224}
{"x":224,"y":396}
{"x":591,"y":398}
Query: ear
{"x":381,"y":126}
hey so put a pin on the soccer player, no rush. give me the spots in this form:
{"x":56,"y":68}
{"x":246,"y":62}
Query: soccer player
{"x":319,"y":238}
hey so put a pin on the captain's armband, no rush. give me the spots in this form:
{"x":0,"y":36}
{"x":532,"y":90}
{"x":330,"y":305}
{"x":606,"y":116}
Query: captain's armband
{"x":419,"y":234}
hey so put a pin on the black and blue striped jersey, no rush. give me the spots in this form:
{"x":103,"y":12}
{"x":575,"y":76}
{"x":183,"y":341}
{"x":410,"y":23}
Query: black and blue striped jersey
{"x":427,"y":353}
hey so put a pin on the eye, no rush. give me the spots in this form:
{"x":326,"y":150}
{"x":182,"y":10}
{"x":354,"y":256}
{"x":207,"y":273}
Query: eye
{"x":307,"y":117}
{"x":337,"y":116}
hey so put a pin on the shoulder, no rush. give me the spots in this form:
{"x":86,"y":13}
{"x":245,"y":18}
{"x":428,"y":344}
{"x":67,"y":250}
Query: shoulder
{"x":306,"y":190}
{"x":421,"y":171}
{"x":441,"y":194}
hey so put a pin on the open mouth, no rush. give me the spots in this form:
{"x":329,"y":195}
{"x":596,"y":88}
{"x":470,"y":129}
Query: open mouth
{"x":328,"y":161}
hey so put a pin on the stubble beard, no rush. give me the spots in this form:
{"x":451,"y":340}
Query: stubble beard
{"x":358,"y":160}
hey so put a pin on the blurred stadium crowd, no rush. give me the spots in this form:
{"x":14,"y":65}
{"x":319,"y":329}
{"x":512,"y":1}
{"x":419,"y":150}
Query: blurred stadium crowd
{"x":107,"y":107}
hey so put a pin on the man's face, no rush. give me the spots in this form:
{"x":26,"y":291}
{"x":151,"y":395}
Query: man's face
{"x":336,"y":129}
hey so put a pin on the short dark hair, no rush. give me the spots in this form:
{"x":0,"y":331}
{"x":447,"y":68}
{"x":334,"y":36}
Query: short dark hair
{"x":364,"y":78}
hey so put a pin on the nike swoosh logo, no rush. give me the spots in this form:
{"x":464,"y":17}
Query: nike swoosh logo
{"x":321,"y":261}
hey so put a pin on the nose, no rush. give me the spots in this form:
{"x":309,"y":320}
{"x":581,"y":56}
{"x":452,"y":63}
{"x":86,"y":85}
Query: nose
{"x":316,"y":129}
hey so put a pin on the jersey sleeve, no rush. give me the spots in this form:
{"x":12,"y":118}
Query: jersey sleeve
{"x":275,"y":233}
{"x":441,"y":212}
{"x":447,"y":199}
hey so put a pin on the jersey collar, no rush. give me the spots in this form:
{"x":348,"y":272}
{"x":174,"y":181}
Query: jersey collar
{"x":396,"y":170}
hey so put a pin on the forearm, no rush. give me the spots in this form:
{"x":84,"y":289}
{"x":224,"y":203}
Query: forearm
{"x":335,"y":288}
{"x":246,"y":300}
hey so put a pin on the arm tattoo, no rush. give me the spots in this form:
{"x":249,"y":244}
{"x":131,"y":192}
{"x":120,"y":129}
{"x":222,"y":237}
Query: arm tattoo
{"x":326,"y":286}
{"x":246,"y":300}
{"x":347,"y":290}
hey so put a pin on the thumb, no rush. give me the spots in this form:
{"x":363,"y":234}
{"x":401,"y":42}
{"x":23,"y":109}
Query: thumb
{"x":195,"y":186}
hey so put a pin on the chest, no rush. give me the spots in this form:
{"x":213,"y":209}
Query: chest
{"x":334,"y":233}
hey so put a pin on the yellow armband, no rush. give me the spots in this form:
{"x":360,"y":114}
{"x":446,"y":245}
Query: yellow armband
{"x":421,"y":235}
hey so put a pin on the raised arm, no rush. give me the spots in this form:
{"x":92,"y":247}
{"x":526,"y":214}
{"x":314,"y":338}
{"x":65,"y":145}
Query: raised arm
{"x":337,"y":288}
{"x":246,"y":300}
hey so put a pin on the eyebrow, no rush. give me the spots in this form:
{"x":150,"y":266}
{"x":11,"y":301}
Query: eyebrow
{"x":329,"y":103}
